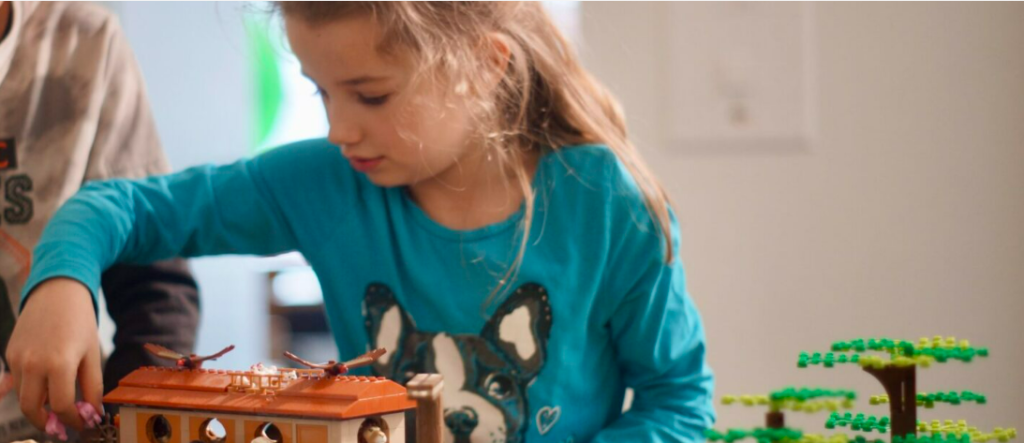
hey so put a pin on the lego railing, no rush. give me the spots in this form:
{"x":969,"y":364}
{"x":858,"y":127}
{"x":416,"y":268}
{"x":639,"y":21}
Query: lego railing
{"x":253,"y":382}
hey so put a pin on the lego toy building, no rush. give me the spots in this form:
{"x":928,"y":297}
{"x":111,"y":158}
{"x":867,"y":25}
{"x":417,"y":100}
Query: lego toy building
{"x":161,"y":405}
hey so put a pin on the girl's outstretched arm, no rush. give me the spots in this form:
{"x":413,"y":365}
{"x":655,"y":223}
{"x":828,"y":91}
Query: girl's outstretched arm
{"x":206,"y":210}
{"x":201,"y":211}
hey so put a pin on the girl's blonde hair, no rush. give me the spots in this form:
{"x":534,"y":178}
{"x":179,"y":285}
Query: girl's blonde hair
{"x":545,"y":99}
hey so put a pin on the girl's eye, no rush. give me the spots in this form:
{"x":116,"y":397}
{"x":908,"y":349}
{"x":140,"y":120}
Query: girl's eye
{"x":322,"y":93}
{"x":374,"y":101}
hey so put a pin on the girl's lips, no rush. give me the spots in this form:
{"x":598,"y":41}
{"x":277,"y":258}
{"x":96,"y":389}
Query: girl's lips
{"x":362,"y":164}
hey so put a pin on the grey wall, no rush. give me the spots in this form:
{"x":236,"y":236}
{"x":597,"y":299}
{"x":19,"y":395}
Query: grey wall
{"x":903,"y":218}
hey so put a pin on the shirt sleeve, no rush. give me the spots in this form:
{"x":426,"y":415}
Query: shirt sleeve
{"x":658,"y":337}
{"x":660,"y":343}
{"x":205,"y":210}
{"x":126,"y":142}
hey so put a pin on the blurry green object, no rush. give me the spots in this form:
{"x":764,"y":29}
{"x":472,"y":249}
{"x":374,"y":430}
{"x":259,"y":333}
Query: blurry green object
{"x":268,"y":92}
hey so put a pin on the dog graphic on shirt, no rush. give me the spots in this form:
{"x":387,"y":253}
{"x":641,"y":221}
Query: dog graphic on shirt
{"x":485,"y":376}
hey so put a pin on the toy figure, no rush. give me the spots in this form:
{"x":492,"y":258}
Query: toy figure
{"x":191,"y":361}
{"x":334,"y":369}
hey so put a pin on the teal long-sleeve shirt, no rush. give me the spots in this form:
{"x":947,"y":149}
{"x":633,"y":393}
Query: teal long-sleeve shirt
{"x":593,"y":309}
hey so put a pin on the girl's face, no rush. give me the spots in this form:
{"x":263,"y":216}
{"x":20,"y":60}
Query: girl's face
{"x":394,"y":131}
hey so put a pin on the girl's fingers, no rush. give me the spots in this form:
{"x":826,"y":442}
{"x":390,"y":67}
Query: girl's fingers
{"x":90,"y":379}
{"x":32,"y":395}
{"x":6,"y":384}
{"x":61,"y":384}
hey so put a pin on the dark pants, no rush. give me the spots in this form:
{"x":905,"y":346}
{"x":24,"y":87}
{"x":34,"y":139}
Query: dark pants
{"x":159,"y":304}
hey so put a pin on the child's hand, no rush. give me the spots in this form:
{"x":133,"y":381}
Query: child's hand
{"x":54,"y":343}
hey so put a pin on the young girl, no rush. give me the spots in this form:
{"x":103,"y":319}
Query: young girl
{"x":476,"y":209}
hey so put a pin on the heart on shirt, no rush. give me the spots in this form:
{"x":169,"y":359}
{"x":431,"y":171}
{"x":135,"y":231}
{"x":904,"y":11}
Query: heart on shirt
{"x":547,"y":417}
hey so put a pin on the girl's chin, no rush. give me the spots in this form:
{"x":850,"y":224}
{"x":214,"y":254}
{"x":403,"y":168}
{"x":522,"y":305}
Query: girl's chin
{"x":385,"y":180}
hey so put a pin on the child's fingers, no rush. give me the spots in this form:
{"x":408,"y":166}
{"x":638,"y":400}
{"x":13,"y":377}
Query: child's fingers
{"x":6,"y":384}
{"x":61,"y":390}
{"x":15,"y":383}
{"x":90,"y":379}
{"x":31,"y":396}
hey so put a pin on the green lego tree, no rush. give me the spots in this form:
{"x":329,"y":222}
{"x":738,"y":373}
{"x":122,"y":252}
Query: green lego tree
{"x":897,"y":374}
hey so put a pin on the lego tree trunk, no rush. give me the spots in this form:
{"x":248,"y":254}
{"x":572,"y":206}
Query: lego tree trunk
{"x":426,"y":390}
{"x":900,"y":385}
{"x":774,"y":420}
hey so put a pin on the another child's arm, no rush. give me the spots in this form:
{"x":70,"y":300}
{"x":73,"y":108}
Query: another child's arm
{"x":659,"y":341}
{"x":201,"y":211}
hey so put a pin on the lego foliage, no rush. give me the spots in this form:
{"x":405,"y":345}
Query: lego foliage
{"x":836,"y":438}
{"x":808,"y":400}
{"x":860,"y":422}
{"x":929,"y":400}
{"x":959,"y":432}
{"x":783,"y":435}
{"x":901,"y":353}
{"x":804,"y":394}
{"x":762,"y":435}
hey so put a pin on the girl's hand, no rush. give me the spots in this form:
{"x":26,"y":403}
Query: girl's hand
{"x":54,"y":343}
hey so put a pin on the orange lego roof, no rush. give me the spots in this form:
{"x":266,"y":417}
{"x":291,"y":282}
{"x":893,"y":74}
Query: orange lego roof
{"x":310,"y":395}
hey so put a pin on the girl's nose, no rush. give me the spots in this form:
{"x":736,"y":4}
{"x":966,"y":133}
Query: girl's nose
{"x":342,"y":133}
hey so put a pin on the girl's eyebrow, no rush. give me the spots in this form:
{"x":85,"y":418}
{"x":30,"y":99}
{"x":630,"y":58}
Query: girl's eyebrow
{"x":354,"y":81}
{"x":362,"y":79}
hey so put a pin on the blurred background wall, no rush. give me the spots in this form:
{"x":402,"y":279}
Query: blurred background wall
{"x":902,"y":216}
{"x":889,"y":203}
{"x":196,"y":64}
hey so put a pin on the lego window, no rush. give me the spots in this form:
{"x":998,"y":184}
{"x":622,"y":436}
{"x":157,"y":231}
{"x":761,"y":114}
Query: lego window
{"x":158,"y":429}
{"x":374,"y":430}
{"x":270,"y":431}
{"x":212,"y":431}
